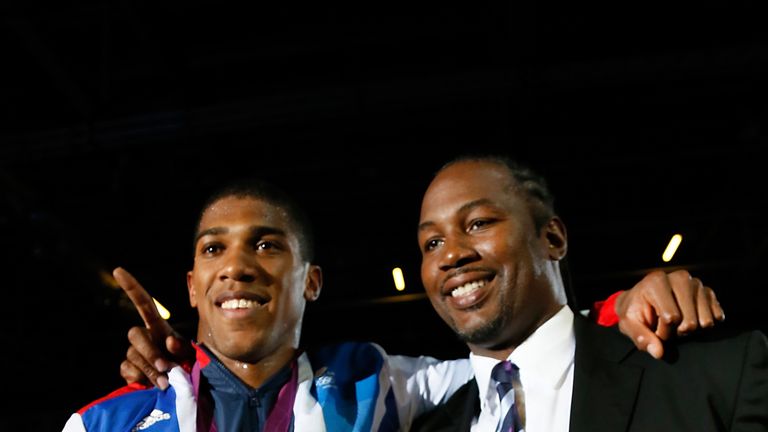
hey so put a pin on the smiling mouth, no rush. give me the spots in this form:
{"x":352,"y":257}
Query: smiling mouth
{"x":468,"y":288}
{"x":242,"y":303}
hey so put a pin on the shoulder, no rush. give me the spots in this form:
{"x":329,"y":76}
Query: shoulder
{"x":128,"y":392}
{"x":730,"y":350}
{"x":344,"y":353}
{"x":719,"y":347}
{"x":721,"y":342}
{"x":370,"y":357}
{"x":346,"y":362}
{"x":137,"y":405}
{"x":716,"y":371}
{"x":705,"y":349}
{"x":124,"y":407}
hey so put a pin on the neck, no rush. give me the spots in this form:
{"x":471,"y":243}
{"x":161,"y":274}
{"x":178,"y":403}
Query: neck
{"x":254,"y":374}
{"x":501,"y":349}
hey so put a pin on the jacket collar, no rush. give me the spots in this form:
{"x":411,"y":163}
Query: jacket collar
{"x":604,"y":387}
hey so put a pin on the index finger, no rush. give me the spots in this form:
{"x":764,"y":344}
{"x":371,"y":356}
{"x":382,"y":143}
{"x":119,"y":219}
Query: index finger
{"x":643,"y":337}
{"x":144,"y":303}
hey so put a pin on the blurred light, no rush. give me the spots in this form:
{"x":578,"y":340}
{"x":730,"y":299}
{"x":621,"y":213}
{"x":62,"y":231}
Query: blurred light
{"x":108,"y":280}
{"x":397,"y":274}
{"x":164,"y":313}
{"x":669,"y":252}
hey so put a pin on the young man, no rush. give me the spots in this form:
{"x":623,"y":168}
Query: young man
{"x":491,"y":244}
{"x":252,"y":276}
{"x":251,"y":279}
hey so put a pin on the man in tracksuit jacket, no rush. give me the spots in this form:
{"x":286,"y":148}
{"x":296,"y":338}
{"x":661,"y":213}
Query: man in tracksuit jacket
{"x":251,"y":279}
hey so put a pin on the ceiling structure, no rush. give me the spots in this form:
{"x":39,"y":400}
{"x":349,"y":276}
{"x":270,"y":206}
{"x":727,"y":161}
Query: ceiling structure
{"x":117,"y":116}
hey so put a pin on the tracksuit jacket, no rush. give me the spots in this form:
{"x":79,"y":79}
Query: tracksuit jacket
{"x":352,"y":386}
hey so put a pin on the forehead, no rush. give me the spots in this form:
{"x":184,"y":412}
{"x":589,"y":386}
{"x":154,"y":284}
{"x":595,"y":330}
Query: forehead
{"x":466,"y":182}
{"x":244,"y":210}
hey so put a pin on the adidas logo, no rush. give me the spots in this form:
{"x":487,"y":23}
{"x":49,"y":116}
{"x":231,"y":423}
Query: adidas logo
{"x":325,"y":378}
{"x":155,"y":416}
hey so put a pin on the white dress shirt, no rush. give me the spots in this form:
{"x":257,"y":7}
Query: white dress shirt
{"x":545,"y":360}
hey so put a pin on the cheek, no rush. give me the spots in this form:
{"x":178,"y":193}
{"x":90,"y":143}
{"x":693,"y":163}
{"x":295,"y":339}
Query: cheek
{"x":192,"y":289}
{"x":536,"y":259}
{"x":291,"y":286}
{"x":200,"y":281}
{"x":288,"y":311}
{"x":512,"y":249}
{"x":500,"y":245}
{"x":428,"y":277}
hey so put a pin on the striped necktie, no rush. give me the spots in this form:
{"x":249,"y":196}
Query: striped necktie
{"x":505,"y":374}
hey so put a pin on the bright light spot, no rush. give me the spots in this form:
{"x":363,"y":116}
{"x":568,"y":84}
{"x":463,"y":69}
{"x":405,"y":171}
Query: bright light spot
{"x":397,"y":274}
{"x":164,"y":313}
{"x":669,"y":252}
{"x":108,"y":279}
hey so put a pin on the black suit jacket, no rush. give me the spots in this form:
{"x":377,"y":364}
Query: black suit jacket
{"x":707,"y":382}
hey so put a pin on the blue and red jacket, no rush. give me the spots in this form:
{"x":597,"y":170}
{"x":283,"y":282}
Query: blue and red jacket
{"x":347,"y":387}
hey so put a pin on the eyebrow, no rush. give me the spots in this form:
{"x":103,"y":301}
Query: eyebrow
{"x":255,"y":231}
{"x":464,"y":208}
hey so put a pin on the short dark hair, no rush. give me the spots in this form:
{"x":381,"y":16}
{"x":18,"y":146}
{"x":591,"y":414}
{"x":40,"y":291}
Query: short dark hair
{"x":267,"y":192}
{"x":530,"y":182}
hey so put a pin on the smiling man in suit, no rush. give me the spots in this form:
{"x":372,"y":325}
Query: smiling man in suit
{"x":491,"y":244}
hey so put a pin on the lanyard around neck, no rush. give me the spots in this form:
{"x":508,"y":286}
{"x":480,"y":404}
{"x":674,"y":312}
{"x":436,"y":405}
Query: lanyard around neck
{"x":279,"y":418}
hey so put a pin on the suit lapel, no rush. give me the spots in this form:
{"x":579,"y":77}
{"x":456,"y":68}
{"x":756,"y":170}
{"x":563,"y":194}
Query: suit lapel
{"x":456,"y":414}
{"x":604,"y":389}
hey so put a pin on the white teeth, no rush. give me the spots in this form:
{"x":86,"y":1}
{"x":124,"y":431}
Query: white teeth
{"x":237,"y":304}
{"x":467,"y":288}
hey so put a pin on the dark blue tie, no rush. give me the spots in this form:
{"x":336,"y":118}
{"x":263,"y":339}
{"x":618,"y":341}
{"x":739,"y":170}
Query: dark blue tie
{"x":505,"y":374}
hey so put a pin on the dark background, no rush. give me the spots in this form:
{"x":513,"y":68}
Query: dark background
{"x":647,"y":118}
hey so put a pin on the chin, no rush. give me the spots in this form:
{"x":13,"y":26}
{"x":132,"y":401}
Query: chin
{"x":483,"y":332}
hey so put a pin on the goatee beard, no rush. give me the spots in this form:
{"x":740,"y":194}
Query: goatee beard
{"x":485,"y":333}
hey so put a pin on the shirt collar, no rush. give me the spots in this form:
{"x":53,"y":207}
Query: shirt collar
{"x":544,"y":357}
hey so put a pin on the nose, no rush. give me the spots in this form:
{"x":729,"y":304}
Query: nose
{"x":239,"y":266}
{"x":456,"y":253}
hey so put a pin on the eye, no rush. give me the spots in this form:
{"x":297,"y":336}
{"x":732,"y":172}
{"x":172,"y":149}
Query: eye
{"x":270,"y":246}
{"x":265,"y":245}
{"x":477,"y":224}
{"x":432,"y":244}
{"x":211,"y":248}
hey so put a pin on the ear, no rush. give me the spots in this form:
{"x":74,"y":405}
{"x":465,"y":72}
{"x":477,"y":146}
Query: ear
{"x":313,"y":283}
{"x":192,"y":291}
{"x":556,"y":238}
